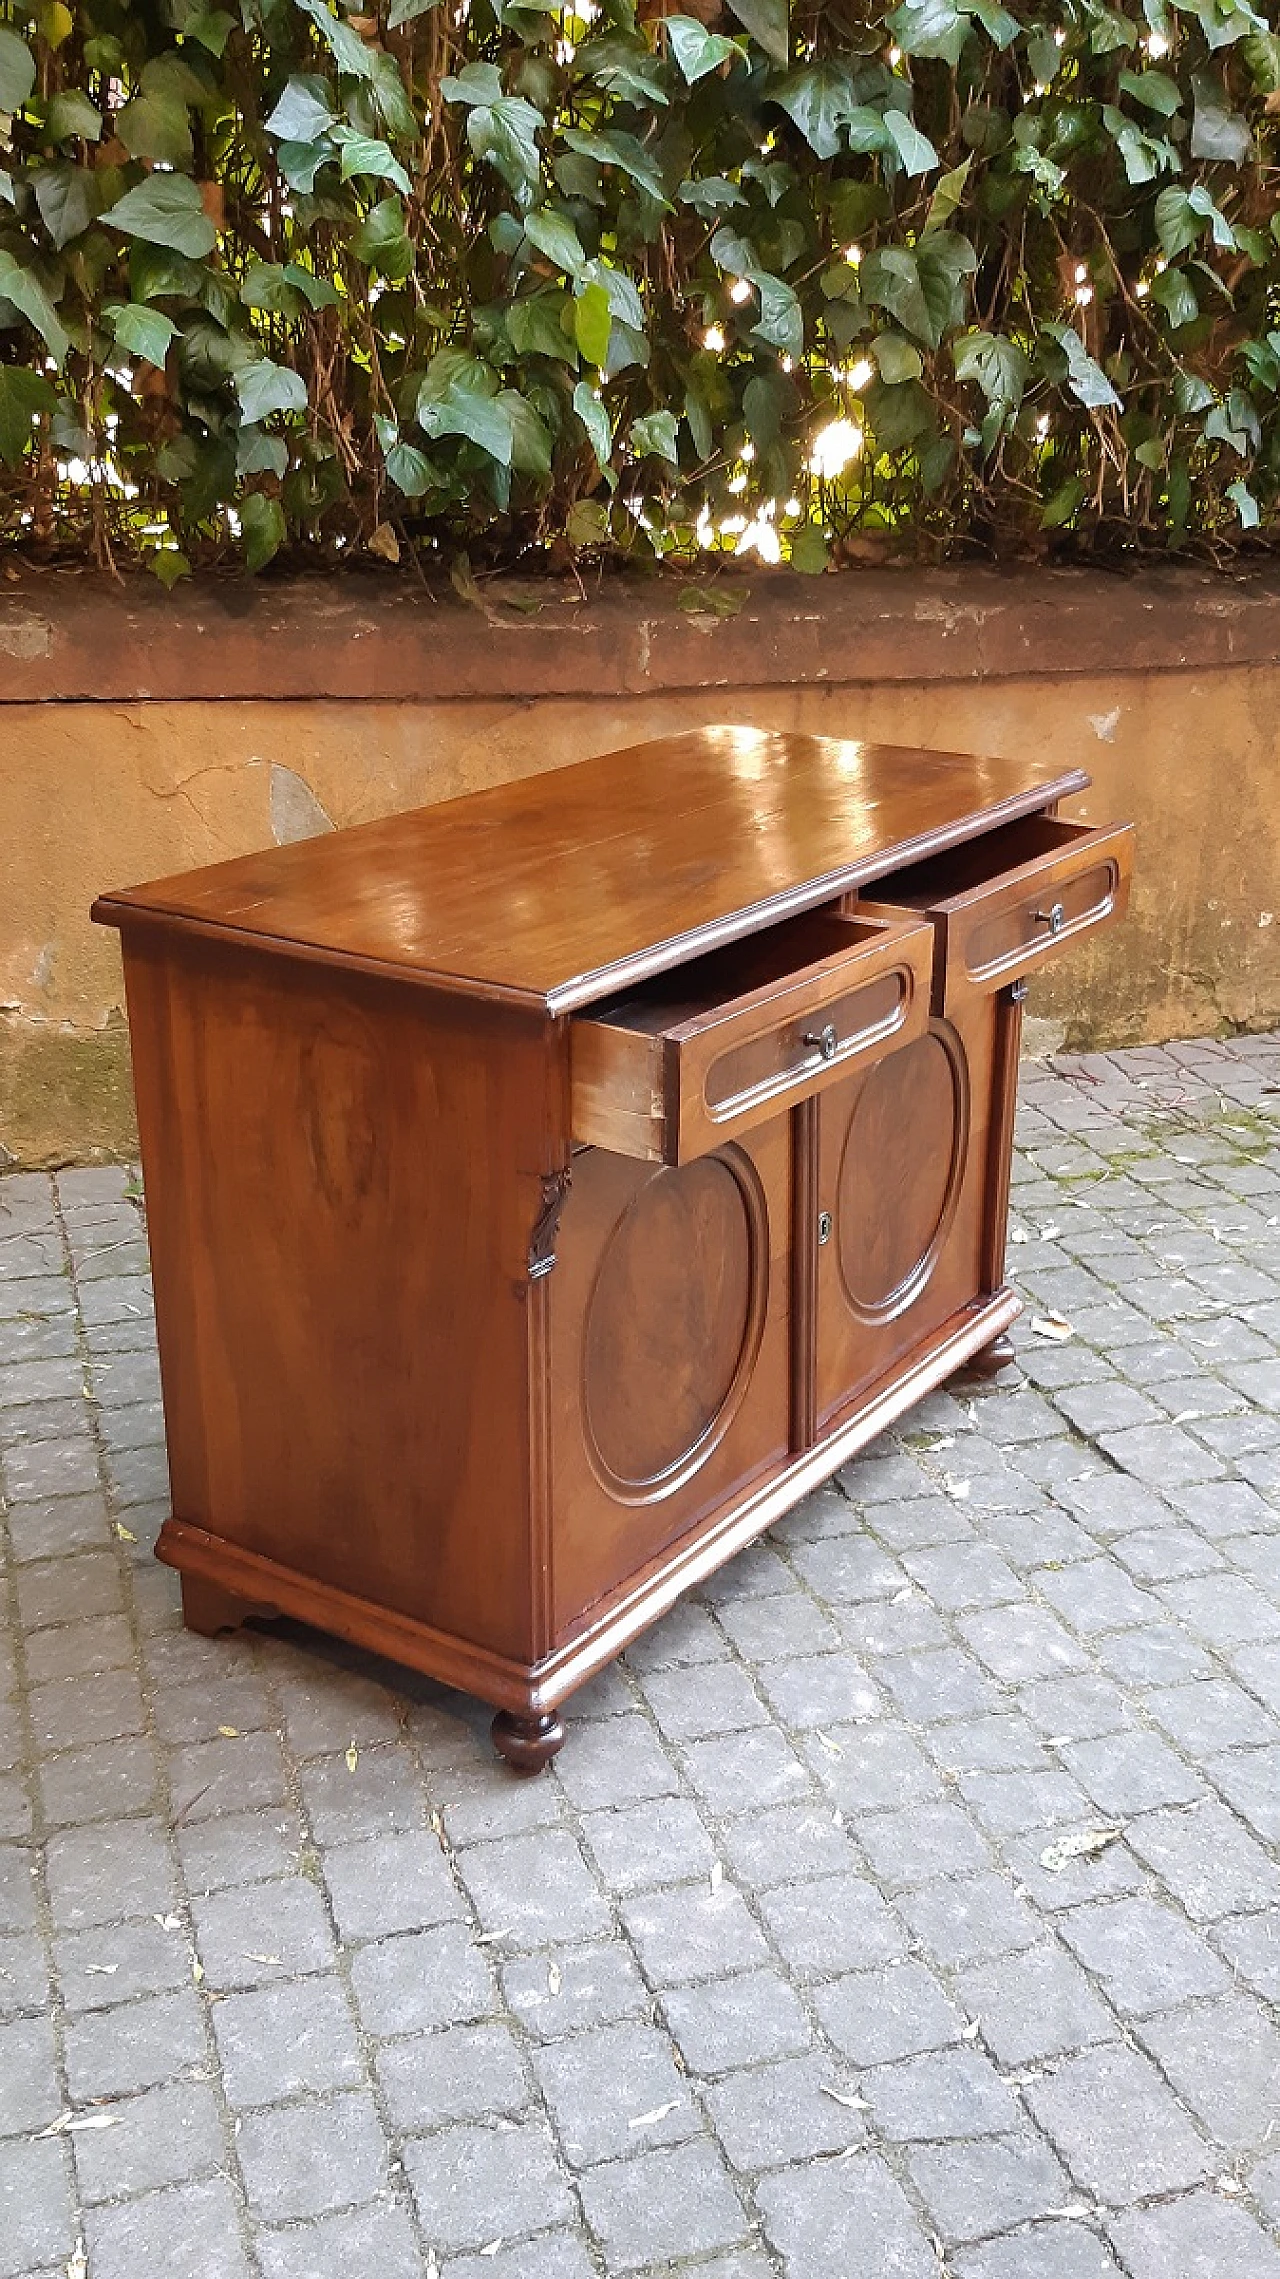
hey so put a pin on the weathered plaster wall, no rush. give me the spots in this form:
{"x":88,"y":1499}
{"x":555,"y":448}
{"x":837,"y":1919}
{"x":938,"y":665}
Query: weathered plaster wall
{"x":105,"y":791}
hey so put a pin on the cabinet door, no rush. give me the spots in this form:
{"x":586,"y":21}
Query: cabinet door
{"x":670,"y":1352}
{"x":910,"y":1187}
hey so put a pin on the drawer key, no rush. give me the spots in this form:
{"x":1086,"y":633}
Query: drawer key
{"x":825,"y":1039}
{"x":1055,"y":919}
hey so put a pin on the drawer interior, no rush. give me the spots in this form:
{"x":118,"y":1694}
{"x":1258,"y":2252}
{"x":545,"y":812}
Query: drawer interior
{"x":690,"y":992}
{"x":979,"y":862}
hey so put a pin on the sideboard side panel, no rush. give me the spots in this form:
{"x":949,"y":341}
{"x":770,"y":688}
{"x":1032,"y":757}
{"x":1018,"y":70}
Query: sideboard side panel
{"x":343,"y":1178}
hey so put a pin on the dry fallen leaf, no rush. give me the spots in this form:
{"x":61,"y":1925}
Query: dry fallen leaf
{"x":717,"y":1874}
{"x":69,"y":2123}
{"x":78,"y":2263}
{"x":229,"y":1732}
{"x":197,"y":1970}
{"x":125,"y":1534}
{"x":1052,"y":1327}
{"x":961,"y":1490}
{"x":845,"y":2097}
{"x":970,"y":2032}
{"x":489,"y":1938}
{"x":273,"y":1959}
{"x":353,"y":1757}
{"x":659,"y":2113}
{"x":101,"y":1969}
{"x":492,"y":2247}
{"x":825,"y":1741}
{"x":1082,"y":1844}
{"x":555,"y":1979}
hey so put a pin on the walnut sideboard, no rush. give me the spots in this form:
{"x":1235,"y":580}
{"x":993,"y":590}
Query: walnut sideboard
{"x":547,"y":1189}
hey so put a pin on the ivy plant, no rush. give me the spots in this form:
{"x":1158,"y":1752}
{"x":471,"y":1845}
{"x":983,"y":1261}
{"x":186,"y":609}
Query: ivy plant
{"x":523,"y":282}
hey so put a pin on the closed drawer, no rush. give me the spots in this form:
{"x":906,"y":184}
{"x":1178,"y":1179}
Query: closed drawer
{"x":679,"y":1065}
{"x":1004,"y":903}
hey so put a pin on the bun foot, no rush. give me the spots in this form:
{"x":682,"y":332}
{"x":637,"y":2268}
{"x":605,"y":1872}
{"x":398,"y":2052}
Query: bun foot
{"x":991,"y":1359}
{"x":527,"y":1743}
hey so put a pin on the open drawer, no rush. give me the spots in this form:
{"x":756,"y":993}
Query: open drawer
{"x":1003,"y":903}
{"x":683,"y":1062}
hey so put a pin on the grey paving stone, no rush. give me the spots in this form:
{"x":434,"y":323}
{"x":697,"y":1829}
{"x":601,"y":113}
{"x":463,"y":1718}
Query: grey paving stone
{"x":306,"y":2160}
{"x":1021,"y":1642}
{"x":1207,"y":1860}
{"x":797,"y":2109}
{"x":1120,"y":2131}
{"x":140,"y":2045}
{"x":613,"y":2092}
{"x":533,"y":1889}
{"x":372,"y":2241}
{"x":1250,"y":1944}
{"x":68,"y":1590}
{"x":1034,"y":2005}
{"x":169,"y":2135}
{"x":468,"y":2073}
{"x":773,"y":1630}
{"x":1127,"y":1773}
{"x":1050,"y":2251}
{"x":382,"y":1794}
{"x":552,"y":2255}
{"x":875,"y":2017}
{"x":284,"y":2041}
{"x":109,"y":1780}
{"x":390,"y":1883}
{"x":1144,"y":1954}
{"x":18,"y":1870}
{"x":833,"y":2215}
{"x":744,"y":2020}
{"x":239,"y":1847}
{"x":967,"y":1919}
{"x":973,"y":2189}
{"x":24,"y":1975}
{"x":916,"y":1846}
{"x":1211,"y":1716}
{"x":1199,"y":2237}
{"x":37,"y":2220}
{"x":473,"y":2185}
{"x":1224,"y":1609}
{"x":29,"y":2094}
{"x":660,"y":1841}
{"x":945,"y":2093}
{"x":831,"y":1925}
{"x":234,"y":1696}
{"x":662,"y":2204}
{"x":1223,"y":2058}
{"x":574,"y":1988}
{"x":227,"y":1775}
{"x":615,"y":1760}
{"x":1006,"y":1803}
{"x":709,"y":1697}
{"x":1250,"y":1780}
{"x":104,"y":1875}
{"x":420,"y":1980}
{"x":747,"y":1772}
{"x":996,"y":1744}
{"x":265,"y":1932}
{"x":945,"y":1683}
{"x":820,"y":1690}
{"x":97,"y":1969}
{"x":692,"y":1932}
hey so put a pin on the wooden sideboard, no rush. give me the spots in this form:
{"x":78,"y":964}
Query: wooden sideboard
{"x":548,"y":1189}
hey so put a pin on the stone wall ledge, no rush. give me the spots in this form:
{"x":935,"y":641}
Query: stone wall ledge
{"x":73,"y":638}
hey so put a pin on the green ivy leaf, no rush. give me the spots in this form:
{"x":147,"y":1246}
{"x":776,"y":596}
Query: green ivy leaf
{"x":820,"y":100}
{"x":769,"y":25}
{"x":1245,"y":503}
{"x":23,"y":290}
{"x":555,"y":236}
{"x":929,"y":28}
{"x":369,"y":155}
{"x":530,"y":438}
{"x":262,"y":529}
{"x":897,"y":358}
{"x":264,"y":388}
{"x":1086,"y":379}
{"x":67,"y":197}
{"x":17,"y":70}
{"x":1154,"y":90}
{"x":807,"y":550}
{"x":915,"y":151}
{"x":157,"y":127}
{"x":71,"y":115}
{"x":408,"y":11}
{"x":781,"y":318}
{"x":946,"y":199}
{"x":595,"y":420}
{"x":698,"y":51}
{"x":593,"y":323}
{"x":24,"y":396}
{"x":996,"y":363}
{"x":346,"y":47}
{"x":142,"y":331}
{"x":1218,"y":132}
{"x":410,"y":470}
{"x":654,"y":437}
{"x":304,"y":112}
{"x":622,"y":150}
{"x":382,"y":243}
{"x":478,"y":418}
{"x":165,"y":210}
{"x":1176,"y":295}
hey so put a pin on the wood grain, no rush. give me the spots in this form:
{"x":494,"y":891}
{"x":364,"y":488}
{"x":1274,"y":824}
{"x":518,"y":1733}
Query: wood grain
{"x":564,"y":887}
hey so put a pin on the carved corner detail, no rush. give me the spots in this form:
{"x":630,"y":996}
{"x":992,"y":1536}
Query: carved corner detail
{"x":542,"y":1242}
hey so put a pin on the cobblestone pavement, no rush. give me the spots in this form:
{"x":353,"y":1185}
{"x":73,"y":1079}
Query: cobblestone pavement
{"x":790,"y":1966}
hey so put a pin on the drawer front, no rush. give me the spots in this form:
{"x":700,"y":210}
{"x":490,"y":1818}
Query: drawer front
{"x":674,"y":1090}
{"x":1015,"y":922}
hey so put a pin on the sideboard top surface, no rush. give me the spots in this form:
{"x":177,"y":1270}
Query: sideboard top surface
{"x":562,"y":887}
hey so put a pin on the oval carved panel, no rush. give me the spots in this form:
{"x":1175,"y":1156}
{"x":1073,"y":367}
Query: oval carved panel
{"x":900,"y":1172}
{"x":674,"y":1324}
